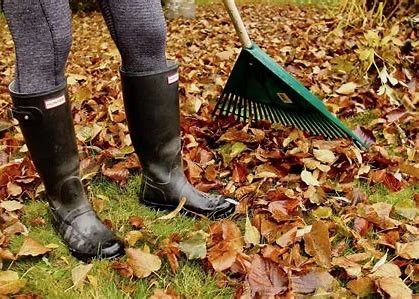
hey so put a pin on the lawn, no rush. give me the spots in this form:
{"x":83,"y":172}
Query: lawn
{"x":352,"y":222}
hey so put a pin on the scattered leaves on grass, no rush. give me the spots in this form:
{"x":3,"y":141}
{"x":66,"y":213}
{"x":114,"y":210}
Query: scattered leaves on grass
{"x":195,"y":245}
{"x":10,"y":282}
{"x":79,"y":274}
{"x":308,"y":198}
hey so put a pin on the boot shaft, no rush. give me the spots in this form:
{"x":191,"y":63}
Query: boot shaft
{"x":152,"y":109}
{"x":47,"y":127}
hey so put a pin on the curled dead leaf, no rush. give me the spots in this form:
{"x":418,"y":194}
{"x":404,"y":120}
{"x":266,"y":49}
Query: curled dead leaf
{"x":142,"y":262}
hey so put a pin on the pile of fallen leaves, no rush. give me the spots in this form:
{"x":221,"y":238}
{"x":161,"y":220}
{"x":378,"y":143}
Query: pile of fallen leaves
{"x":310,"y":228}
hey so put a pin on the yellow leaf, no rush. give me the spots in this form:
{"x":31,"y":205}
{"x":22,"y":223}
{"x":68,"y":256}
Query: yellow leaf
{"x":176,"y":211}
{"x":11,"y":205}
{"x":324,"y":155}
{"x":347,"y":88}
{"x":79,"y":274}
{"x":251,"y":234}
{"x":408,"y":250}
{"x":309,"y":179}
{"x":10,"y":282}
{"x":132,"y":237}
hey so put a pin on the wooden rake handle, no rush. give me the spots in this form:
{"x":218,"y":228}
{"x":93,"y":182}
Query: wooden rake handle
{"x":238,"y":23}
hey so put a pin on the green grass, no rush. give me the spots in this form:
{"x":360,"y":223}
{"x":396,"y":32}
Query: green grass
{"x":361,"y":119}
{"x":379,"y":193}
{"x":50,"y":276}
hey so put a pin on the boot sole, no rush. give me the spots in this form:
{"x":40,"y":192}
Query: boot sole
{"x":213,"y":216}
{"x":87,"y":258}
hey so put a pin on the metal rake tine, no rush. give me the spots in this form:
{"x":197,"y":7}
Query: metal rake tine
{"x":331,"y":125}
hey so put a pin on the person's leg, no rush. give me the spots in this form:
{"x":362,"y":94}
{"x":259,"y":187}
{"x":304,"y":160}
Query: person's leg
{"x":41,"y":31}
{"x":42,"y":34}
{"x":138,"y":29}
{"x":150,"y":90}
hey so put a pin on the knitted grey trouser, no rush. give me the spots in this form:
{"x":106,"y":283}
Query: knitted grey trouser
{"x":41,"y":31}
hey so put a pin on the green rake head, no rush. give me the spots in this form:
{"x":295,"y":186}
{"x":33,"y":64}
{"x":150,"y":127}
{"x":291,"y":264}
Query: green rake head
{"x":258,"y":88}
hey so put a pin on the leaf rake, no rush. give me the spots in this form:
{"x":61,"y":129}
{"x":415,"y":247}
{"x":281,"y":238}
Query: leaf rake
{"x":258,"y":88}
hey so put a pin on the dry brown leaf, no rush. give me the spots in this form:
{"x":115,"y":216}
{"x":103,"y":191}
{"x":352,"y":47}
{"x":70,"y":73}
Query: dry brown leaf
{"x":287,"y":238}
{"x":11,"y":205}
{"x":32,"y":248}
{"x":136,"y":222}
{"x":266,"y":279}
{"x":362,"y":286}
{"x":352,"y":269}
{"x":164,"y":294}
{"x":123,"y":269}
{"x":16,"y":228}
{"x":14,"y":189}
{"x":224,"y":252}
{"x":386,"y":270}
{"x":408,"y":250}
{"x":313,"y":280}
{"x":142,"y":263}
{"x":317,"y":244}
{"x":394,"y":287}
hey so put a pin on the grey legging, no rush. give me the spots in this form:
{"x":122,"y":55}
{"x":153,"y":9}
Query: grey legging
{"x":41,"y":31}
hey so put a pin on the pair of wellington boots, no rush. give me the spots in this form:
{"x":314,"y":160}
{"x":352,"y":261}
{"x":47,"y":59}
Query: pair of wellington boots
{"x":152,"y":110}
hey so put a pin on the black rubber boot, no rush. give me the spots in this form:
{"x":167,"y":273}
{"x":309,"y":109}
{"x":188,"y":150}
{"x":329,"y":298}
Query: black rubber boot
{"x":152,"y":110}
{"x":47,"y":126}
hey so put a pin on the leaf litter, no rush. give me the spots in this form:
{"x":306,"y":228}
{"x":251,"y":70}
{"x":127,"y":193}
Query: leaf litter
{"x":308,"y":226}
